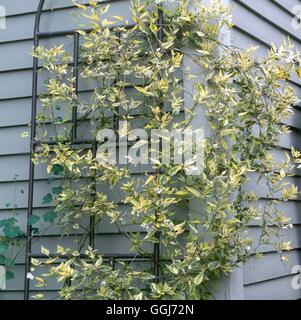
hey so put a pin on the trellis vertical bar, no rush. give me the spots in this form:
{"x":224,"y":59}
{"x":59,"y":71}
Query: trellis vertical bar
{"x":157,"y":235}
{"x":33,"y":143}
{"x":113,"y":263}
{"x":92,"y":218}
{"x":32,"y":150}
{"x":75,"y":76}
{"x":116,"y":117}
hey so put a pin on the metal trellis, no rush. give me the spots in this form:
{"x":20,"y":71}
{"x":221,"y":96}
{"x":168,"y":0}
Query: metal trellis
{"x":38,"y":35}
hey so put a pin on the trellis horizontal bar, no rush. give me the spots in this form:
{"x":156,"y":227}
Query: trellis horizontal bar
{"x":50,"y":34}
{"x":84,"y":256}
{"x":54,"y":143}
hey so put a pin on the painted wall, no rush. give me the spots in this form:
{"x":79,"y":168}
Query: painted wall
{"x":260,"y":23}
{"x":257,"y":22}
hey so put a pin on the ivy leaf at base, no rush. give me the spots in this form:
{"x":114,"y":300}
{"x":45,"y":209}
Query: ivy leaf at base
{"x":3,"y":247}
{"x":50,"y":216}
{"x":57,"y":169}
{"x":33,"y":220}
{"x":47,"y":199}
{"x":9,"y":275}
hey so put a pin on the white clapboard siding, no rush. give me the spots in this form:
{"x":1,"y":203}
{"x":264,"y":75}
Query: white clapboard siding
{"x":257,"y":22}
{"x":16,"y":44}
{"x":260,"y":23}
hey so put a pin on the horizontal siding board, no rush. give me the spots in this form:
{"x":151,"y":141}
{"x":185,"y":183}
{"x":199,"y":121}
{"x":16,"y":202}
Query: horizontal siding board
{"x":15,"y":193}
{"x":17,"y":169}
{"x":276,"y":289}
{"x":19,"y":295}
{"x":243,"y":39}
{"x":43,"y":187}
{"x":293,"y":139}
{"x":273,"y":13}
{"x":292,"y":235}
{"x":15,"y":112}
{"x":46,"y":228}
{"x":106,"y":244}
{"x":280,"y":156}
{"x":17,"y":7}
{"x":261,"y":188}
{"x":270,"y":267}
{"x":268,"y":33}
{"x":11,"y":141}
{"x":56,"y":21}
{"x":22,"y":57}
{"x":29,"y":6}
{"x":18,"y":282}
{"x":291,"y":209}
{"x":17,"y":84}
{"x":52,"y":285}
{"x":294,"y":120}
{"x":103,"y":227}
{"x":288,"y":4}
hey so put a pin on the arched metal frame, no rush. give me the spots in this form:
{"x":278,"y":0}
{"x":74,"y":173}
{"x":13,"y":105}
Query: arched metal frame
{"x":155,"y":257}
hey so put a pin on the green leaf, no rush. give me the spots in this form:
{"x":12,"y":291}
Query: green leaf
{"x":214,"y":265}
{"x":35,"y":230}
{"x":47,"y":199}
{"x":24,"y":134}
{"x":3,"y":247}
{"x":143,"y":91}
{"x":224,"y":144}
{"x":50,"y":216}
{"x":57,"y":190}
{"x":194,"y":192}
{"x":173,"y":269}
{"x":59,"y":119}
{"x":195,"y":230}
{"x":198,"y":279}
{"x":227,"y":132}
{"x":174,"y":170}
{"x":38,"y":296}
{"x":13,"y":232}
{"x":9,"y":275}
{"x":81,"y":6}
{"x":56,"y":169}
{"x":33,"y":220}
{"x":45,"y":251}
{"x":153,"y":27}
{"x":2,"y":259}
{"x":298,"y":71}
{"x":183,"y":194}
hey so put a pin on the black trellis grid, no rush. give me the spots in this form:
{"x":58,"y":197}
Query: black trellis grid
{"x":38,"y":35}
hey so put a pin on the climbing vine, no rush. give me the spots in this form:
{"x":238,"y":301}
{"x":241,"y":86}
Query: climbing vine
{"x":134,"y":75}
